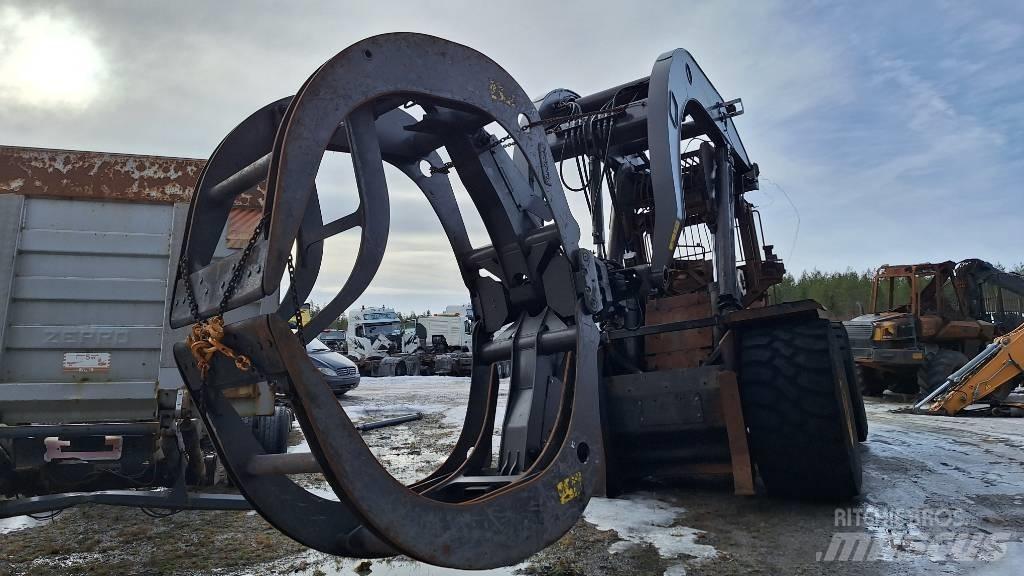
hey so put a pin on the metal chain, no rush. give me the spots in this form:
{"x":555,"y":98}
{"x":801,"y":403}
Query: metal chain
{"x":183,"y":271}
{"x":552,"y":124}
{"x":447,"y":166}
{"x":294,"y":289}
{"x":205,"y":337}
{"x":237,"y":269}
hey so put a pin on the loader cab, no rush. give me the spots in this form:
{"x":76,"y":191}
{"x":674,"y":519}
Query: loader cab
{"x":923,"y":302}
{"x":911,"y":302}
{"x":919,"y":289}
{"x":917,"y":313}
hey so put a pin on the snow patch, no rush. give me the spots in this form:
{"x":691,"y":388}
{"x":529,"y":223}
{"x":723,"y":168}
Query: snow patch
{"x":15,"y":523}
{"x":642,"y":519}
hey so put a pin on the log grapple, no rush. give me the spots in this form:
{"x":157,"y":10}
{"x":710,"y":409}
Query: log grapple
{"x":573,"y":323}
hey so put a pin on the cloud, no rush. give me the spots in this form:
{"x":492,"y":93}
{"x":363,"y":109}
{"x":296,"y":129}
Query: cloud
{"x":48,"y":61}
{"x":894,"y":129}
{"x":920,"y":158}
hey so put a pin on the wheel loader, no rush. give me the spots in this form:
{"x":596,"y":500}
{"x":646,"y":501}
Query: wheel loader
{"x":926,"y":320}
{"x":652,"y":355}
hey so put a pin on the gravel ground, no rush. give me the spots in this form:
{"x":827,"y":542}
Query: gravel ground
{"x":942,"y":496}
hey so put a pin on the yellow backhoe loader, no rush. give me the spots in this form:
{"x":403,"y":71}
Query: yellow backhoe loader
{"x":988,"y":379}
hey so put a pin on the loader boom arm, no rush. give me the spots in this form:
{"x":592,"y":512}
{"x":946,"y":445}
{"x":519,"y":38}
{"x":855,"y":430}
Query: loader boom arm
{"x":974,"y":274}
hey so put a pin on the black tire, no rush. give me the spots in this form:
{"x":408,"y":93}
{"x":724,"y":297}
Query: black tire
{"x":400,"y":369}
{"x":285,"y":424}
{"x":195,"y":473}
{"x":903,"y":382}
{"x":1002,"y":393}
{"x":937,"y":368}
{"x":860,"y":413}
{"x":272,"y":431}
{"x":869,"y":382}
{"x":800,"y":419}
{"x":8,"y":479}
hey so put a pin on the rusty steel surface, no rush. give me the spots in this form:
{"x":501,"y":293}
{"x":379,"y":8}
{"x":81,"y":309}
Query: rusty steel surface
{"x":105,"y":176}
{"x":241,"y":223}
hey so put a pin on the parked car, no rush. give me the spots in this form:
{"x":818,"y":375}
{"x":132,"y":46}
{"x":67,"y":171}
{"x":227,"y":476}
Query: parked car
{"x":340,"y":373}
{"x":334,"y":339}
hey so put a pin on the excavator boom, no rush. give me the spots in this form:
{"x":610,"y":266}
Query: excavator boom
{"x":991,"y":293}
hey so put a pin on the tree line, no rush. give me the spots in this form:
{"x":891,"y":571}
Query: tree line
{"x":846,"y":294}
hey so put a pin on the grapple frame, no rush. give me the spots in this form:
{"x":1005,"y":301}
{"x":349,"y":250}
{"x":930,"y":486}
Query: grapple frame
{"x":478,"y":509}
{"x":352,"y":104}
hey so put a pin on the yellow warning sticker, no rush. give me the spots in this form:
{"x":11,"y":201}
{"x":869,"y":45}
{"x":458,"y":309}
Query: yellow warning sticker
{"x":498,"y":94}
{"x":673,"y":240}
{"x":570,"y":488}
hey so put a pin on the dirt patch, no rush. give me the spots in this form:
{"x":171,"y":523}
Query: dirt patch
{"x":99,"y":540}
{"x":584,"y":552}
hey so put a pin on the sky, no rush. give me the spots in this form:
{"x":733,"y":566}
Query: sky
{"x":886,"y":132}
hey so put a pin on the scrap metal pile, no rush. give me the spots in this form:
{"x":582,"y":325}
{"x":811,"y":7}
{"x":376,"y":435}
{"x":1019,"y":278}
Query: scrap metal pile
{"x":586,"y":378}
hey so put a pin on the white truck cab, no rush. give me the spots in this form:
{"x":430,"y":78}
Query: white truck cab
{"x":454,"y":331}
{"x":375,"y":331}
